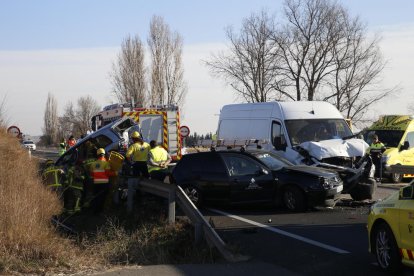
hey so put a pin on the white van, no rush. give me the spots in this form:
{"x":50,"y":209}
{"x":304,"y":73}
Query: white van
{"x":304,"y":132}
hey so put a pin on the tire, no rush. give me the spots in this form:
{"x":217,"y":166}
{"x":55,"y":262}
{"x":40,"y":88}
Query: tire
{"x":386,"y":249}
{"x":396,"y":177}
{"x":364,"y":190}
{"x":194,"y":194}
{"x":294,"y":199}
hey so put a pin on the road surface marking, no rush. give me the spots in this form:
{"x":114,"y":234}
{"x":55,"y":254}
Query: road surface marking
{"x":281,"y":232}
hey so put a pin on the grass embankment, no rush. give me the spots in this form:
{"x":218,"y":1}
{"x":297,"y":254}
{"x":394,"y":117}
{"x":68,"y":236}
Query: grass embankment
{"x":30,"y":244}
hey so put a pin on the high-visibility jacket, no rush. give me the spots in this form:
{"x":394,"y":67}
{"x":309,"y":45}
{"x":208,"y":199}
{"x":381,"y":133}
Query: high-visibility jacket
{"x":138,"y":152}
{"x":100,"y":171}
{"x":52,"y":177}
{"x":74,"y":178}
{"x":376,"y":146}
{"x":158,"y":155}
{"x":61,"y":151}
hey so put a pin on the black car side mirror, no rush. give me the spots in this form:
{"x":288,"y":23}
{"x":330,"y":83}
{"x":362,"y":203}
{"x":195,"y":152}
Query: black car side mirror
{"x":279,"y":145}
{"x":405,"y":146}
{"x":262,"y":172}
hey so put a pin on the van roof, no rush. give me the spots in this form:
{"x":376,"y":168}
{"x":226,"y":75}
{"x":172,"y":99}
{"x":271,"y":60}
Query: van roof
{"x":283,"y":110}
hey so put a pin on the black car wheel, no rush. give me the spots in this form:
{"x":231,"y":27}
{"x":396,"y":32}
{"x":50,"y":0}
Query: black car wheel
{"x":386,"y":250}
{"x":396,"y":177}
{"x":294,"y":199}
{"x":194,"y":195}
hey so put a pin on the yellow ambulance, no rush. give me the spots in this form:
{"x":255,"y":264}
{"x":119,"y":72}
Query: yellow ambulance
{"x":391,"y":230}
{"x":396,"y":132}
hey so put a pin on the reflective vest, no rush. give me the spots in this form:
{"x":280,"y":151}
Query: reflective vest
{"x":139,"y":152}
{"x":100,"y":171}
{"x":376,"y":146}
{"x":61,"y":151}
{"x":52,"y":177}
{"x":159,"y":154}
{"x":74,"y":178}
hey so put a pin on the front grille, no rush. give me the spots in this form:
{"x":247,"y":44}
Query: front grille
{"x":340,"y":161}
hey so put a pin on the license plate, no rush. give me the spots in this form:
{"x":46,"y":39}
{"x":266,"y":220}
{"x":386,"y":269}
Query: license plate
{"x":339,"y":188}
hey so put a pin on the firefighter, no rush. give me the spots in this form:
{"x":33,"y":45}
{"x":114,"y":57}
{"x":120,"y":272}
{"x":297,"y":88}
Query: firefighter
{"x":90,"y":157}
{"x":137,"y":153}
{"x":53,"y":178}
{"x":62,"y":148}
{"x":100,"y":171}
{"x":71,"y":141}
{"x":73,"y":190}
{"x":158,"y":161}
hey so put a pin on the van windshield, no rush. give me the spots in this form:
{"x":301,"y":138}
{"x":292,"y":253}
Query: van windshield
{"x":390,"y":138}
{"x":316,"y":130}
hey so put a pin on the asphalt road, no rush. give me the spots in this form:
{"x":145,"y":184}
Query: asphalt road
{"x":318,"y":242}
{"x":321,"y":241}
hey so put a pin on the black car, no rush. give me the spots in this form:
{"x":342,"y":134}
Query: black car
{"x":255,"y":176}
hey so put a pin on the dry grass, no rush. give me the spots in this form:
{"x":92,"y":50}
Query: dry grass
{"x":30,"y":244}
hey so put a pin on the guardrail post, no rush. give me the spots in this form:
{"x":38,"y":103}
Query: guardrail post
{"x":198,"y":232}
{"x":171,"y":207}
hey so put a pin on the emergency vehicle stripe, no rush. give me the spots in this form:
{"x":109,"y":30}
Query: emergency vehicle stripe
{"x":165,"y":140}
{"x":178,"y":137}
{"x":133,"y":115}
{"x":407,"y":254}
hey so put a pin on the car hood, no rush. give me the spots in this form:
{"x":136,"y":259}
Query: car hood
{"x":311,"y":170}
{"x":336,"y":148}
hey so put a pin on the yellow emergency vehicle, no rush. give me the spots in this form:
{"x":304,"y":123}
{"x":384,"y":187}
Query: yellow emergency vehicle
{"x":391,"y":230}
{"x":396,"y":132}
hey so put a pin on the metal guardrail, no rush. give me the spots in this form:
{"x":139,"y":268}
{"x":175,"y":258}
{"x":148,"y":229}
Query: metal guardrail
{"x":201,"y":225}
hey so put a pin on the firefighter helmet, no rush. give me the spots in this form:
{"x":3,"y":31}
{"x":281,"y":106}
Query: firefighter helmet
{"x":100,"y":151}
{"x":135,"y":135}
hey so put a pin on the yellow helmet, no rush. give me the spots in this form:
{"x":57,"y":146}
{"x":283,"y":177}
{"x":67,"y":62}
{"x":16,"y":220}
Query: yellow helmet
{"x":100,"y":151}
{"x":135,"y":135}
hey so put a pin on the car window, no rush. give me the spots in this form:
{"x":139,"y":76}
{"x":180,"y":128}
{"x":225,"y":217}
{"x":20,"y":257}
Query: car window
{"x":28,"y":142}
{"x":272,"y":161}
{"x":410,"y":139}
{"x":241,"y":165}
{"x":101,"y":141}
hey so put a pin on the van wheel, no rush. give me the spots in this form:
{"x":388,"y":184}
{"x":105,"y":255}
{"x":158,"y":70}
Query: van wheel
{"x":385,"y":249}
{"x":194,"y":194}
{"x":396,"y":177}
{"x":294,"y":199}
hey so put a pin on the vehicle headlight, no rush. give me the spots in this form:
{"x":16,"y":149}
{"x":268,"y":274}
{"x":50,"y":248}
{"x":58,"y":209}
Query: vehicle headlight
{"x":328,"y":183}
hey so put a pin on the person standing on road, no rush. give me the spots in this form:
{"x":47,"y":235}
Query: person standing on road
{"x":100,"y":171}
{"x":158,"y":161}
{"x":376,"y":149}
{"x":137,"y":153}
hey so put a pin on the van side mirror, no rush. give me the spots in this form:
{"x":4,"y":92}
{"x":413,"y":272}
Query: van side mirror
{"x":405,"y":146}
{"x":279,"y":144}
{"x":407,"y":192}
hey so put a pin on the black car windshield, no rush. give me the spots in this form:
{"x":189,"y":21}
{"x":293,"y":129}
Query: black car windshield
{"x":28,"y":142}
{"x":316,"y":130}
{"x":390,"y":138}
{"x":272,"y":161}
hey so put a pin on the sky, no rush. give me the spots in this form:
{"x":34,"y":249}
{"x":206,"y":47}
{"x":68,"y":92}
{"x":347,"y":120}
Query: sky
{"x":67,"y":48}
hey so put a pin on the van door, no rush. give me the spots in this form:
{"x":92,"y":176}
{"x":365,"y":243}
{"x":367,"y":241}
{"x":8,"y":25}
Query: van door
{"x":407,"y":156}
{"x":278,"y":136}
{"x":407,"y":223}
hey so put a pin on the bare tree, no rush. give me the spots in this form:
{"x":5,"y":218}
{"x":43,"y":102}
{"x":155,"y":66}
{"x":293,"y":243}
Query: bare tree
{"x":50,"y":120}
{"x":3,"y":112}
{"x":66,"y":122}
{"x":128,"y":73}
{"x":87,"y":107}
{"x":167,"y":74}
{"x":356,"y":79}
{"x":250,"y":65}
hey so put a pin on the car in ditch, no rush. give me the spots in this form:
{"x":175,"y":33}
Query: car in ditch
{"x":391,"y":230}
{"x":234,"y":177}
{"x":112,"y":137}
